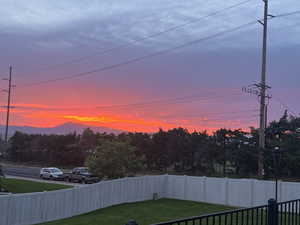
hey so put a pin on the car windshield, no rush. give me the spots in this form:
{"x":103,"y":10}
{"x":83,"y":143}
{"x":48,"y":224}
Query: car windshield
{"x":55,"y":170}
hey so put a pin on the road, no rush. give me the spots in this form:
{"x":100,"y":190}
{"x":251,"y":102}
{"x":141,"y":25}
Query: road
{"x":29,"y":172}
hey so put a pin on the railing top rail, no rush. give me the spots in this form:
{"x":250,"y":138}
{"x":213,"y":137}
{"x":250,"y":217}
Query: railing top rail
{"x":290,"y":201}
{"x":210,"y":215}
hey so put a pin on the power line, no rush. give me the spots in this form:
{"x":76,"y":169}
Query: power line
{"x":134,"y":60}
{"x":151,"y":55}
{"x":288,"y":14}
{"x":147,"y":37}
{"x":186,"y":99}
{"x":102,"y":51}
{"x":218,"y":113}
{"x":251,"y":118}
{"x":150,"y":103}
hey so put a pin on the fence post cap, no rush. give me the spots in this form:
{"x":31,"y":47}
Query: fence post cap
{"x":271,"y":201}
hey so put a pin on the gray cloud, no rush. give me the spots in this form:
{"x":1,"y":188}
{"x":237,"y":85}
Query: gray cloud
{"x":125,"y":21}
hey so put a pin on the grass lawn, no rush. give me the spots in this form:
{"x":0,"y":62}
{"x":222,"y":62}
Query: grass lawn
{"x":26,"y":186}
{"x":145,"y":213}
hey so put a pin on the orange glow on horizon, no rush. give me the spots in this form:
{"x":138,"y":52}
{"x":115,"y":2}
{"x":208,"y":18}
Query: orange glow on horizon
{"x":126,"y":122}
{"x":49,"y":111}
{"x":111,"y":120}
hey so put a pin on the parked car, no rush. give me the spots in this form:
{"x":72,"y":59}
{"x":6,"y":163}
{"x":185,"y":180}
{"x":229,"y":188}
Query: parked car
{"x":51,"y":173}
{"x":82,"y":175}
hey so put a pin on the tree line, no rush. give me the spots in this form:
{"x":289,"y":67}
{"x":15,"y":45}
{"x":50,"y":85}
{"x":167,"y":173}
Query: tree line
{"x":225,"y":152}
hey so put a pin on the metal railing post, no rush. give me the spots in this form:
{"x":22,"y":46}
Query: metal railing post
{"x":272,"y":212}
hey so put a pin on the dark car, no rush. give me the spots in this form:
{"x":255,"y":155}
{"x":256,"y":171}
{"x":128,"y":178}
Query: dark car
{"x":82,"y":175}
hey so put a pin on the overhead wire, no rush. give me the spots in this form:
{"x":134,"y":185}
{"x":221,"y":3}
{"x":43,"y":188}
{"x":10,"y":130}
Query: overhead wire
{"x":287,"y":14}
{"x":149,"y":36}
{"x":137,"y":59}
{"x":151,"y":55}
{"x":156,"y":53}
{"x":150,"y":103}
{"x":218,"y":113}
{"x":101,"y":51}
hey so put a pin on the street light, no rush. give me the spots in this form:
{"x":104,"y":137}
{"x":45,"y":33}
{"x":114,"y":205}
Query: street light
{"x":276,"y":155}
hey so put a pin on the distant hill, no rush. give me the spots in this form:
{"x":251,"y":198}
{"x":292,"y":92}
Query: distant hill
{"x":60,"y":129}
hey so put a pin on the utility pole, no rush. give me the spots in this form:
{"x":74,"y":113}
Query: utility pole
{"x":262,"y":86}
{"x":8,"y":103}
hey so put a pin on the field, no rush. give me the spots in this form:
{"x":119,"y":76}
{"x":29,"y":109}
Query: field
{"x":145,"y":213}
{"x":25,"y":186}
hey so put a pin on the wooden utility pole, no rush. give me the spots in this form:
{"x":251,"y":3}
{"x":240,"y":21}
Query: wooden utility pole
{"x":263,"y":87}
{"x":8,"y":104}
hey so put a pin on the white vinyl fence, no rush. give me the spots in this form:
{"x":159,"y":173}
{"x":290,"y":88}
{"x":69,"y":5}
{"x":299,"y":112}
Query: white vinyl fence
{"x":26,"y":209}
{"x":233,"y":192}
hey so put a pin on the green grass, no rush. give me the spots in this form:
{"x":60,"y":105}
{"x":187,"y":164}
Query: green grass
{"x":26,"y":186}
{"x":145,"y":213}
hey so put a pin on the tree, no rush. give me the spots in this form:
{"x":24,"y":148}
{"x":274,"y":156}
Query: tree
{"x":221,"y":138}
{"x":143,"y":144}
{"x":179,"y":148}
{"x":242,"y":153}
{"x":114,"y":159}
{"x":88,"y":140}
{"x":159,"y":152}
{"x":204,"y":153}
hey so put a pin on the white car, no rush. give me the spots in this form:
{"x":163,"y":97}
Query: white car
{"x":51,"y":173}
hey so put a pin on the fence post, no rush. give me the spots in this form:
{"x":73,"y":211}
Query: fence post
{"x":280,"y":187}
{"x":204,"y":189}
{"x":272,"y":212}
{"x":252,"y":192}
{"x":185,"y":188}
{"x":226,"y":191}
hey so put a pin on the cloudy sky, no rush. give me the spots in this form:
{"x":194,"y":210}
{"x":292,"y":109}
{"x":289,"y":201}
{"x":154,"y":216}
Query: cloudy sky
{"x":139,"y":65}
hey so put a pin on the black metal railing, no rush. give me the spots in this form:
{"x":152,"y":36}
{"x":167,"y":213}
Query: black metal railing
{"x":283,"y":213}
{"x":288,"y":213}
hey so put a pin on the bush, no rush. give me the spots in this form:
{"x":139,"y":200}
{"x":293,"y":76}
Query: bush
{"x":114,"y":159}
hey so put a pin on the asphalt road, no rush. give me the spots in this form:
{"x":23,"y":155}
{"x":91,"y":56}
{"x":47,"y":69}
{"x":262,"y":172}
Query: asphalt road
{"x":30,"y":172}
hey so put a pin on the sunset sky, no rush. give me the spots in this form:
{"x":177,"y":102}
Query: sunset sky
{"x":105,"y":63}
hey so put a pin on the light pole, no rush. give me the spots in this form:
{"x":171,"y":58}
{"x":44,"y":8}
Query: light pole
{"x":276,"y":156}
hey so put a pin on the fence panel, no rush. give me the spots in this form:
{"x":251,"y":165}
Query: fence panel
{"x":263,"y":191}
{"x":240,"y":192}
{"x":195,"y":189}
{"x":215,"y":190}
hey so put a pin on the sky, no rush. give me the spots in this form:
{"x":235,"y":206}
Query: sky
{"x":141,"y":65}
